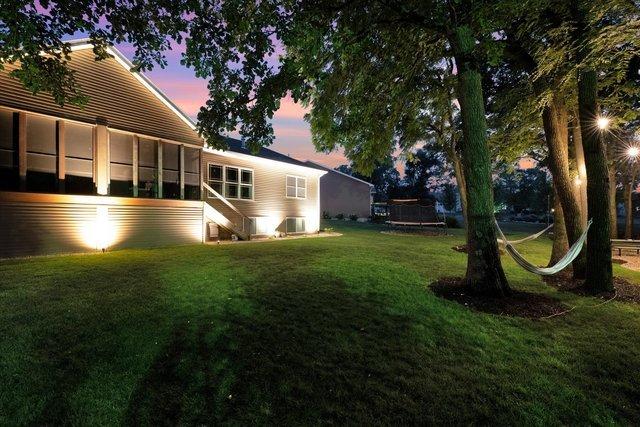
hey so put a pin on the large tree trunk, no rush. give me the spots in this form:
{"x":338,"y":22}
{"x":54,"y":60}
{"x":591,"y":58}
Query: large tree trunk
{"x":484,"y":269}
{"x":581,"y":187}
{"x":560,"y":238}
{"x":628,"y":207}
{"x":555,"y":119}
{"x":599,"y":271}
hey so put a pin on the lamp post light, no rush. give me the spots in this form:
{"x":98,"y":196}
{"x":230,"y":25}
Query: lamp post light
{"x":603,"y":122}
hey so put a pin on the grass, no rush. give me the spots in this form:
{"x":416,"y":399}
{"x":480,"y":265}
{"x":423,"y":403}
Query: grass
{"x":335,"y":330}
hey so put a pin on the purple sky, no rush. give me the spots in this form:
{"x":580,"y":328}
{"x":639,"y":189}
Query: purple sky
{"x":293,"y":136}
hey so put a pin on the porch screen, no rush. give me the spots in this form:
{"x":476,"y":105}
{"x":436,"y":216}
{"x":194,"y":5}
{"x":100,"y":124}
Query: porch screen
{"x":191,"y":173}
{"x":121,"y":164}
{"x":148,"y":168}
{"x":8,"y":152}
{"x":41,"y":154}
{"x":79,"y":158}
{"x":170,"y":171}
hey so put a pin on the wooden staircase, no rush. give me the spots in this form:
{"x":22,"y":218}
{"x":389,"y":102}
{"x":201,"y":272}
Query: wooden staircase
{"x":216,"y":216}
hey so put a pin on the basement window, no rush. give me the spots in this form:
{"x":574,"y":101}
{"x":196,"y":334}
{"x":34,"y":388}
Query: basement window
{"x":296,"y":225}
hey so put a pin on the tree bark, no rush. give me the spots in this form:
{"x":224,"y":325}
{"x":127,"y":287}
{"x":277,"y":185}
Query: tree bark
{"x":484,"y":269}
{"x":628,"y":207}
{"x":560,"y":238}
{"x":555,"y":119}
{"x":599,"y":271}
{"x":581,"y":189}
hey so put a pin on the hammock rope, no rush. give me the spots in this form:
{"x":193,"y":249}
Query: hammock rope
{"x":563,"y":263}
{"x":526,"y":239}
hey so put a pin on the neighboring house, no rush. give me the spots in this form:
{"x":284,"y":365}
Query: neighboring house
{"x":344,"y":194}
{"x":129,"y":169}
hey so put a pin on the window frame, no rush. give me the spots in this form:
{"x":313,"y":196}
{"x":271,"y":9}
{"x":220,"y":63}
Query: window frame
{"x":239,"y":184}
{"x":297,"y":187}
{"x":286,"y":224}
{"x":254,"y":225}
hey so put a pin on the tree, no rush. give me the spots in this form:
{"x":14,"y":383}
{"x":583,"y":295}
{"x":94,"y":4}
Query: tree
{"x":31,"y":34}
{"x":449,"y":198}
{"x":425,"y":172}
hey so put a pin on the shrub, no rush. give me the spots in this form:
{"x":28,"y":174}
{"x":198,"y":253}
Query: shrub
{"x":326,"y":215}
{"x":452,"y":222}
{"x":353,"y":217}
{"x":340,"y":216}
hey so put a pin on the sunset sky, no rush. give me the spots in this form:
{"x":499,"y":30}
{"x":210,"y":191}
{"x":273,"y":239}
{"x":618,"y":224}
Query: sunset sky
{"x":293,"y":136}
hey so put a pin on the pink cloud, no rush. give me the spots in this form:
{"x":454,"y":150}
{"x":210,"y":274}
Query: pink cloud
{"x":290,"y":109}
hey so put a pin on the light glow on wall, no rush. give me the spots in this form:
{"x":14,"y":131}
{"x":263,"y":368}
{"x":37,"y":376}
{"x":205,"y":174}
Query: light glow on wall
{"x":99,"y":234}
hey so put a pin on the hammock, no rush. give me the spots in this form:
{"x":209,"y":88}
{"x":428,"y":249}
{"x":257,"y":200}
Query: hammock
{"x":526,"y":239}
{"x":546,"y":271}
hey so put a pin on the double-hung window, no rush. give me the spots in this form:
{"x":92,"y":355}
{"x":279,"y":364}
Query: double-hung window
{"x":296,"y":187}
{"x":216,"y":180}
{"x":231,"y":182}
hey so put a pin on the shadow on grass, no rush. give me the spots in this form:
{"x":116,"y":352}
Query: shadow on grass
{"x":72,"y":321}
{"x":310,"y":352}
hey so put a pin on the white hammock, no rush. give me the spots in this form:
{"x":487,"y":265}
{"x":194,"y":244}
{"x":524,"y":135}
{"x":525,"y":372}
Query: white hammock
{"x":526,"y":239}
{"x":564,"y":262}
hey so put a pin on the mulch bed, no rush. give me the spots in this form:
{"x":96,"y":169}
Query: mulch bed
{"x":518,"y":304}
{"x":624,"y":290}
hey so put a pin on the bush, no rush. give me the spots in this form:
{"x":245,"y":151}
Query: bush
{"x":326,"y":215}
{"x":340,"y":216}
{"x":452,"y":222}
{"x":353,"y":217}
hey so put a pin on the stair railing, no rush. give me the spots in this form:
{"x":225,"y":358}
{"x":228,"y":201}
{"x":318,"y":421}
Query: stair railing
{"x":219,"y":196}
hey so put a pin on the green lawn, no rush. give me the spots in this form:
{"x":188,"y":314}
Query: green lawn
{"x":303,"y":331}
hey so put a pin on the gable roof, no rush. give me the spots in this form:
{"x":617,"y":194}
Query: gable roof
{"x":127,"y":100}
{"x":237,"y":148}
{"x":327,"y":168}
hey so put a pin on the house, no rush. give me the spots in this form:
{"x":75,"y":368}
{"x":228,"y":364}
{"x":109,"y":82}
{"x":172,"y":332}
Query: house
{"x":130,"y":170}
{"x":343,"y":194}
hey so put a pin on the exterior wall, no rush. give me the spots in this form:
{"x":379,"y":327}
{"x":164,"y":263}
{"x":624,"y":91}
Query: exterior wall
{"x":269,"y":194}
{"x":38,"y":224}
{"x":342,"y":195}
{"x":115,"y":95}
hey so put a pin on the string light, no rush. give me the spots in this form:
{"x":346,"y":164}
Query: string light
{"x":633,"y":152}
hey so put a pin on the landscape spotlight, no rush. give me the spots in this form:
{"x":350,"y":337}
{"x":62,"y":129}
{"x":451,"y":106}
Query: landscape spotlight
{"x":603,"y":122}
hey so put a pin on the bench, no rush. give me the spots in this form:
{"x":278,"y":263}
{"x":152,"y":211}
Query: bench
{"x":620,"y":244}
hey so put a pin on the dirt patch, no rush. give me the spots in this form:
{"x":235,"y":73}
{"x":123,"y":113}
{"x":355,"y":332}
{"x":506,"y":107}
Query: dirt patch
{"x":624,"y":290}
{"x":518,"y":304}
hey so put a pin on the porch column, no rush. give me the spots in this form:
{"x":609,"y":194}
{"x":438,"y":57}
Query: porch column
{"x":181,"y":168}
{"x":101,"y":157}
{"x":62,"y":153}
{"x":135,"y":162}
{"x":159,"y":169}
{"x":22,"y":150}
